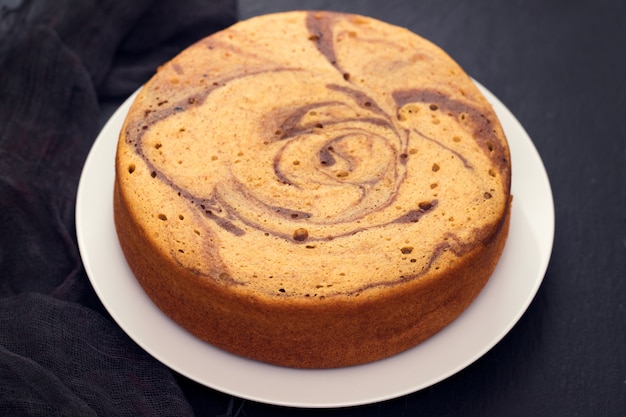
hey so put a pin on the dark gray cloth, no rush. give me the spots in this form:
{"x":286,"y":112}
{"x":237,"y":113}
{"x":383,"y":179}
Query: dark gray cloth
{"x":59,"y":358}
{"x":60,"y":354}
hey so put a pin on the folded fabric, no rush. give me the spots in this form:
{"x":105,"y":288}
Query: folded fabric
{"x":69,"y":360}
{"x":59,"y":352}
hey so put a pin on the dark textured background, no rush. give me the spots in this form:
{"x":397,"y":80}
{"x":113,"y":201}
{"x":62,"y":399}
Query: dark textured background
{"x":559,"y":66}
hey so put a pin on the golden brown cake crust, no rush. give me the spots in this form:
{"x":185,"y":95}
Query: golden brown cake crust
{"x":312,"y":189}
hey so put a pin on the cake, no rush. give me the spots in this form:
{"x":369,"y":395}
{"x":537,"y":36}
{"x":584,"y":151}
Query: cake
{"x":312,"y":189}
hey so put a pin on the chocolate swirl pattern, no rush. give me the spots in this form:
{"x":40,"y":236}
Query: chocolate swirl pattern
{"x":315,"y":155}
{"x":312,"y":157}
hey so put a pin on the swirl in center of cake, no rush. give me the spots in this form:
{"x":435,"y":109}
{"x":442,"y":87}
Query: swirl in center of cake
{"x":328,"y":164}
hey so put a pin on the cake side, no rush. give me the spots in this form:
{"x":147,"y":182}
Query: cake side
{"x":295,"y":332}
{"x":312,"y":182}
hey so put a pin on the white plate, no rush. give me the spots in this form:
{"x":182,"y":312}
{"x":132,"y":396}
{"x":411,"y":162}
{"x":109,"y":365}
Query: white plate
{"x":496,"y":310}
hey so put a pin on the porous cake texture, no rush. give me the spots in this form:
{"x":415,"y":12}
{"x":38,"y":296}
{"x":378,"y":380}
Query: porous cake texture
{"x":312,"y":189}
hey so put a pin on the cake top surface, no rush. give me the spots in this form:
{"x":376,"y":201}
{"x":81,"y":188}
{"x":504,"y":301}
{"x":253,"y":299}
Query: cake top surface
{"x":313,"y":155}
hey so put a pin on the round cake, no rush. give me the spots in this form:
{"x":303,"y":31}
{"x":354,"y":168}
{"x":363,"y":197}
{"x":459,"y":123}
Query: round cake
{"x":312,"y":189}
